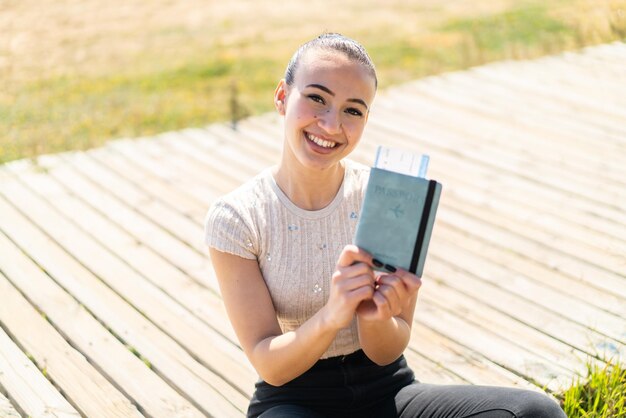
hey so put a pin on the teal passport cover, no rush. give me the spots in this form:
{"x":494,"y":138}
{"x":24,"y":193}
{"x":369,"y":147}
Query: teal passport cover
{"x":397,"y":218}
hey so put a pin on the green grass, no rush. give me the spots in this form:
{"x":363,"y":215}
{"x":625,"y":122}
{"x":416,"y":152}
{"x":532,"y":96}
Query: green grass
{"x":60,"y":113}
{"x":77,"y":113}
{"x":526,"y":27}
{"x":602,"y":394}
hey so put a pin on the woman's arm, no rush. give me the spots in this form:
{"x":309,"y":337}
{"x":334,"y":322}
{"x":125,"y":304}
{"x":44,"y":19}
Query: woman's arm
{"x":384,"y":322}
{"x":278,"y":357}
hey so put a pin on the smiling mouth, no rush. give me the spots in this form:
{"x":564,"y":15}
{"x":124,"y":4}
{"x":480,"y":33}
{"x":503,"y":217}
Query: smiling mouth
{"x":319,"y":141}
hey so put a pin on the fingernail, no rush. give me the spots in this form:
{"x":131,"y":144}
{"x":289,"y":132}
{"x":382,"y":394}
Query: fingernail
{"x":390,"y":268}
{"x":377,"y":263}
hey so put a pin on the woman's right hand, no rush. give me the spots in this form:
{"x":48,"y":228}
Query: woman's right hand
{"x":352,"y":282}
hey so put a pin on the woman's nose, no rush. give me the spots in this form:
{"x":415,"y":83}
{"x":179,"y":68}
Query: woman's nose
{"x":330,"y":121}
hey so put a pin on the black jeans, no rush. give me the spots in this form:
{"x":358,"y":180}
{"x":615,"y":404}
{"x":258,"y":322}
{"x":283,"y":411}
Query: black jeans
{"x":353,"y":386}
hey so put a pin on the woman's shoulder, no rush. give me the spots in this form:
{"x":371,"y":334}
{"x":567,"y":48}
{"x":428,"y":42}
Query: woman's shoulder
{"x":242,"y":202}
{"x":356,"y":167}
{"x":230,"y":223}
{"x":357,"y":173}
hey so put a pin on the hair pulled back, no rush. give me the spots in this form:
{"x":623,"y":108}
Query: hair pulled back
{"x":331,"y":42}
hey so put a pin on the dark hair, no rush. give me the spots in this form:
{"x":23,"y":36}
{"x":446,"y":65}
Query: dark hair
{"x":332,"y":42}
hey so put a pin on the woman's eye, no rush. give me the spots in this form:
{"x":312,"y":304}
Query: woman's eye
{"x":316,"y":98}
{"x":354,"y":112}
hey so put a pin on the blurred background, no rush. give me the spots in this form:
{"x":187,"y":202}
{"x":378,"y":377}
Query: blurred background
{"x":75,"y":73}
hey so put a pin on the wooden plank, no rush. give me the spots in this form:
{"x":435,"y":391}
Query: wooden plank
{"x":124,"y":206}
{"x":540,"y":252}
{"x":536,"y":143}
{"x":616,"y":49}
{"x":153,"y":163}
{"x":85,"y":198}
{"x":553,"y":119}
{"x":171,"y":167}
{"x":594,"y":83}
{"x":496,"y":291}
{"x":527,"y":88}
{"x":270,"y":144}
{"x":469,"y":366}
{"x":460,"y":165}
{"x":543,"y":211}
{"x":33,"y":394}
{"x":82,"y":330}
{"x":270,"y":150}
{"x":220,"y":354}
{"x":230,"y":164}
{"x":523,"y":268}
{"x":545,"y":101}
{"x":140,"y":232}
{"x":428,"y":371}
{"x":569,"y":241}
{"x":168,"y":315}
{"x":593,"y":62}
{"x":466,"y":296}
{"x":184,"y":255}
{"x":616,"y":261}
{"x":606,"y":253}
{"x":115,"y":169}
{"x":449,"y":169}
{"x":496,"y":348}
{"x":541,"y":222}
{"x":173,"y":363}
{"x":90,"y":392}
{"x":452,"y":169}
{"x":6,"y":409}
{"x":168,"y":204}
{"x":518,"y":116}
{"x":232,"y":157}
{"x":588,"y":188}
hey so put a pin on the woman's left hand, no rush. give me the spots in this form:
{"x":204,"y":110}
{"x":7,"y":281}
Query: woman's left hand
{"x":394,"y":292}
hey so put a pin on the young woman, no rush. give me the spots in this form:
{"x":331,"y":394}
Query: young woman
{"x":326,"y":334}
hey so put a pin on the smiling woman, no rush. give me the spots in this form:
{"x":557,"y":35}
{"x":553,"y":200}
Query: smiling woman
{"x":327,"y":103}
{"x":325,"y":333}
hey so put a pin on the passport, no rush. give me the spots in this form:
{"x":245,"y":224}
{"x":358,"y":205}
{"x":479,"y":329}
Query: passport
{"x":397,"y":218}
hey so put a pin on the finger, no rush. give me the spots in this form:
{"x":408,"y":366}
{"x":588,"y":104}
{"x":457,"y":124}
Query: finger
{"x":362,"y":293}
{"x":348,"y":278}
{"x":356,"y":269}
{"x":392,"y":299}
{"x":383,"y":307}
{"x":354,"y":297}
{"x":410,"y":280}
{"x":394,"y":290}
{"x":353,"y":283}
{"x":351,"y":254}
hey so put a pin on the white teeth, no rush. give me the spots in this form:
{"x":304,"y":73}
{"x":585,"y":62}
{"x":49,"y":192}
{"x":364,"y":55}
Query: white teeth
{"x":321,"y":142}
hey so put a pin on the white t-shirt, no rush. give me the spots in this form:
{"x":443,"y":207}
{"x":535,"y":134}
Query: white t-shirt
{"x":296,"y":249}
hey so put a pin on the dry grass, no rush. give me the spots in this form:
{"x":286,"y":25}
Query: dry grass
{"x":74,"y":73}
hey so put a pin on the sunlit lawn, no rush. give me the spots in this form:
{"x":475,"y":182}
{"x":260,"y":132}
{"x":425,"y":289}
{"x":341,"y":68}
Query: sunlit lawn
{"x":45,"y":115}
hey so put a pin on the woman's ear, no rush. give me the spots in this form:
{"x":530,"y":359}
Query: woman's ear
{"x":280,"y":96}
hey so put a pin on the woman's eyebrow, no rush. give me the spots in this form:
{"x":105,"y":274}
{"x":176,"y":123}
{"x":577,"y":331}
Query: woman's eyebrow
{"x":321,"y":87}
{"x":329,"y":91}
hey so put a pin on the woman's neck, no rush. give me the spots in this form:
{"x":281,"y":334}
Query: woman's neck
{"x":307,"y":188}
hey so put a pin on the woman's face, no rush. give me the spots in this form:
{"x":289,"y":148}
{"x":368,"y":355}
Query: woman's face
{"x":325,"y":108}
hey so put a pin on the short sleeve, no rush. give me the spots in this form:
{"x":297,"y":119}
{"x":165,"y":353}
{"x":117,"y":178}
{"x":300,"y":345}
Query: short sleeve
{"x":226,"y":230}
